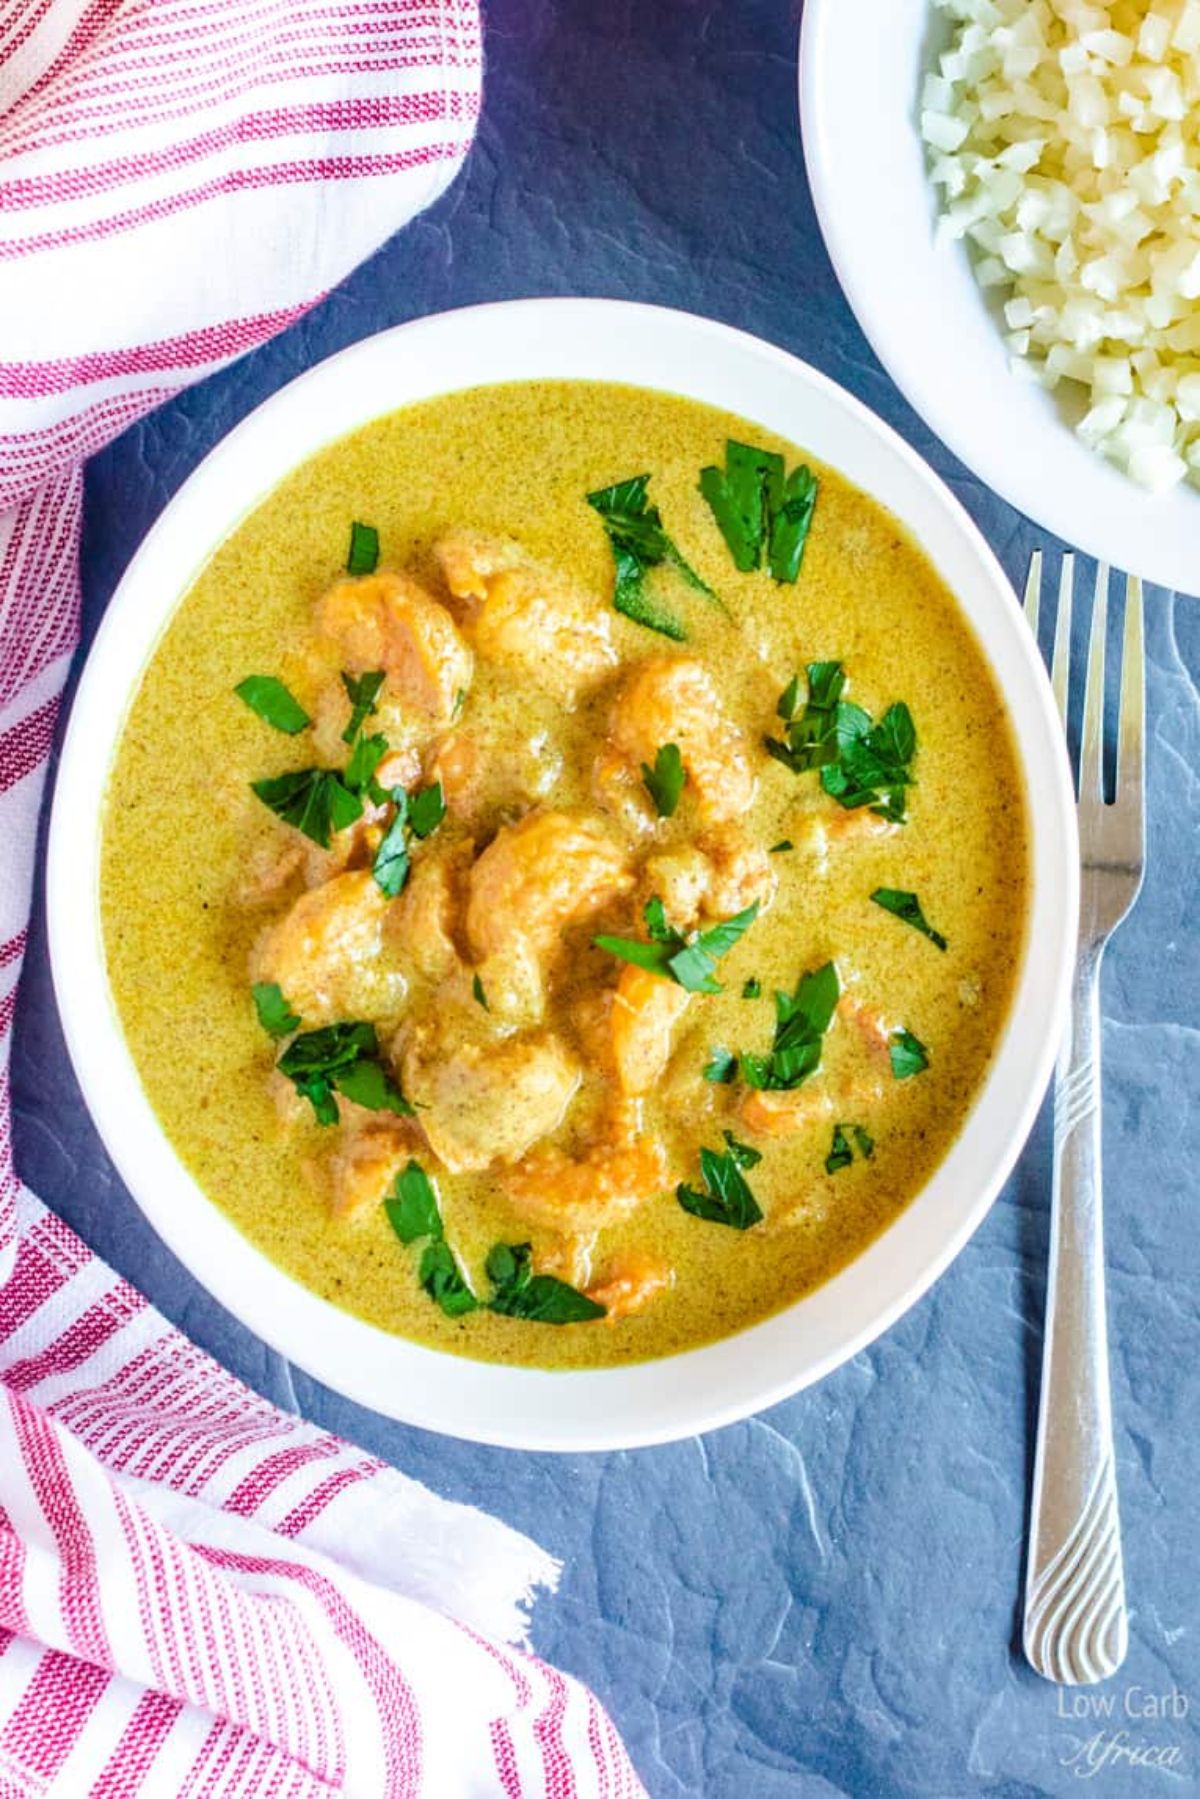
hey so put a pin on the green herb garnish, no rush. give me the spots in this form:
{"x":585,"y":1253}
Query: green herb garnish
{"x":743,"y":1155}
{"x":689,"y":961}
{"x":721,"y":1065}
{"x":751,"y":989}
{"x":726,"y":1198}
{"x":363,"y":694}
{"x":412,"y":1205}
{"x":442,"y":1278}
{"x":480,"y":996}
{"x":861,"y":764}
{"x":778,"y":849}
{"x":801,"y":1020}
{"x":419,"y":814}
{"x":908,"y":1055}
{"x":274,"y":1014}
{"x":345,"y":1058}
{"x":363,"y":558}
{"x":315,"y":800}
{"x":665,"y":781}
{"x":907,"y":906}
{"x":365,"y":757}
{"x":759,"y":510}
{"x":841,"y":1154}
{"x":540,"y":1298}
{"x":864,"y":1139}
{"x":274,"y":703}
{"x":639,"y":543}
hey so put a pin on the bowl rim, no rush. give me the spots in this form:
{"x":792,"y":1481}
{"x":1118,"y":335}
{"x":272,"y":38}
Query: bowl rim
{"x":1056,"y":481}
{"x":625,"y":1406}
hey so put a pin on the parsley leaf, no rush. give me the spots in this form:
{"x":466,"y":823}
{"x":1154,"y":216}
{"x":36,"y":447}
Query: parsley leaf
{"x":314,"y":800}
{"x":363,"y":557}
{"x":363,"y":695}
{"x":743,"y":1155}
{"x":481,"y":997}
{"x":907,"y":906}
{"x":442,"y":1278}
{"x":801,"y":1020}
{"x":908,"y":1054}
{"x":427,"y":810}
{"x":861,"y":764}
{"x":721,"y":1065}
{"x":420,"y":813}
{"x":344,"y":1057}
{"x":639,"y":543}
{"x":751,"y":989}
{"x":274,"y":703}
{"x":412,"y":1205}
{"x":864,"y":1139}
{"x":810,"y":738}
{"x":665,"y":781}
{"x":778,"y":849}
{"x":365,"y":757}
{"x":726,"y":1198}
{"x":840,"y":1155}
{"x":758,"y":510}
{"x":274,"y":1014}
{"x":689,"y":961}
{"x":539,"y":1298}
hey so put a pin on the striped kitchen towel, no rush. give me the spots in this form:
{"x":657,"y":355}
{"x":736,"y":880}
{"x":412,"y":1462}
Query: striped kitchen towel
{"x":200,"y":1595}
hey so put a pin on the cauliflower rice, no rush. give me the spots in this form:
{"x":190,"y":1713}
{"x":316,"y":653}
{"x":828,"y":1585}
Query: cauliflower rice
{"x":1065,"y":138}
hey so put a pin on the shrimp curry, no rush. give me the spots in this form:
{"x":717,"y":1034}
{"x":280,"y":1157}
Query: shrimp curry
{"x":564,"y":873}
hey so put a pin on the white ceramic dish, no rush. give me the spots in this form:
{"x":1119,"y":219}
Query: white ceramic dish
{"x":650,"y":1402}
{"x":928,"y":321}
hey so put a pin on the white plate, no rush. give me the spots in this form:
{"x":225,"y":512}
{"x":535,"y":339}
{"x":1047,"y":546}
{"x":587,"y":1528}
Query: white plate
{"x":861,"y":67}
{"x":650,"y":1402}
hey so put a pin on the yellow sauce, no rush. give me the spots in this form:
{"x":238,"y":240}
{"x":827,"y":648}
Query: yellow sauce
{"x":181,"y":827}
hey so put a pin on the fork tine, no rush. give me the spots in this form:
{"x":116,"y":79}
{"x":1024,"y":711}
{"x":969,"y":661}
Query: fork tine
{"x":1131,"y":742}
{"x":1091,"y":755}
{"x":1060,"y":668}
{"x":1033,"y":591}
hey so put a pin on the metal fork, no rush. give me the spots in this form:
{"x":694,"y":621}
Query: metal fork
{"x":1075,"y":1625}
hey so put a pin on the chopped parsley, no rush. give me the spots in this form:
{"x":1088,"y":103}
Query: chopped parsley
{"x":412,"y":1205}
{"x":274,"y":1014}
{"x":761,"y":511}
{"x":639,"y":543}
{"x":363,"y":694}
{"x":274,"y":703}
{"x":481,"y":997}
{"x":363,"y":556}
{"x":345,"y":1058}
{"x":780,"y":848}
{"x":908,"y":1054}
{"x":801,"y":1021}
{"x":751,"y":989}
{"x":365,"y":757}
{"x":907,"y":906}
{"x":419,"y":814}
{"x":726,"y":1197}
{"x":721,"y":1065}
{"x":540,"y":1298}
{"x":665,"y":781}
{"x":689,"y":961}
{"x":316,"y":801}
{"x":861,"y":763}
{"x":443,"y":1280}
{"x":841,"y":1154}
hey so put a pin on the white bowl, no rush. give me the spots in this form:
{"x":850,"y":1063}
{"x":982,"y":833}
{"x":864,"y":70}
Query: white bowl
{"x":650,"y":1402}
{"x":928,"y":321}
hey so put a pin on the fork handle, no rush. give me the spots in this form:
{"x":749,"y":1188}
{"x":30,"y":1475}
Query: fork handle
{"x":1076,"y":1631}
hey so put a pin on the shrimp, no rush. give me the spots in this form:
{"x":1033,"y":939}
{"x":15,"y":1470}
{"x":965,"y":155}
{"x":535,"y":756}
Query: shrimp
{"x":479,"y":1105}
{"x":529,"y":617}
{"x":388,"y":621}
{"x":769,"y":1113}
{"x":538,"y":875}
{"x":629,"y":1284}
{"x":550,"y":1190}
{"x":326,"y":953}
{"x":422,"y":922}
{"x":680,"y":878}
{"x":672,"y":699}
{"x":507,"y":770}
{"x":838,"y":827}
{"x":715,"y":878}
{"x":645,"y":1010}
{"x":364,"y":1166}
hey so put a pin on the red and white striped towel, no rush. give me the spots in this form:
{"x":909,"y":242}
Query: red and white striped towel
{"x":198,"y":1593}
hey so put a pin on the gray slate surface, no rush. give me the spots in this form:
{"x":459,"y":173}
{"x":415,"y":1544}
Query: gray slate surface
{"x":823,"y":1601}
